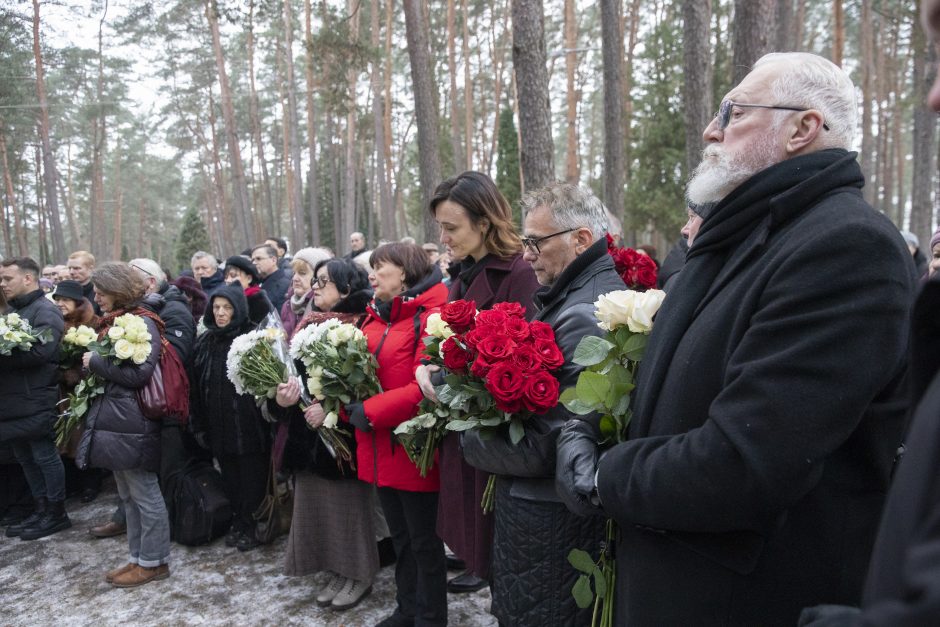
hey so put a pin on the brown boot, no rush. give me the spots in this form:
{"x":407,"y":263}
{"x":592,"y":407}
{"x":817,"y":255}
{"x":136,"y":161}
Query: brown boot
{"x":118,"y":571}
{"x":139,"y":575}
{"x":107,"y":530}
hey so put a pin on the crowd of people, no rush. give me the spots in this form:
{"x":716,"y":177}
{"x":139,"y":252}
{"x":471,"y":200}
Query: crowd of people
{"x":769,"y":412}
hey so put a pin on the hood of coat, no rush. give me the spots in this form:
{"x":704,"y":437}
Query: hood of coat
{"x":236,"y":296}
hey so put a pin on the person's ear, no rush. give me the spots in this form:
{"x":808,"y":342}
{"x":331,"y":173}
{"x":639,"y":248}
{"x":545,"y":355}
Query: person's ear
{"x":809,"y":124}
{"x":583,"y":239}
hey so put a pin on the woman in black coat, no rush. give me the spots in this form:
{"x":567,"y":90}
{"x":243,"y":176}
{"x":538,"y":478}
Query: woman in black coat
{"x":230,"y":422}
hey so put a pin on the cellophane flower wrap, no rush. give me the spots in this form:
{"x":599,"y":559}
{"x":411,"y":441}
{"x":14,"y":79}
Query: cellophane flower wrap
{"x":340,"y":370}
{"x":127,"y":340}
{"x":604,"y":386}
{"x":498,"y":372}
{"x":16,"y":333}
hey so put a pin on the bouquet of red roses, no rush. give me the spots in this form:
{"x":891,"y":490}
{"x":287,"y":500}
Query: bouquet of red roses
{"x":637,"y":270}
{"x":498,"y":372}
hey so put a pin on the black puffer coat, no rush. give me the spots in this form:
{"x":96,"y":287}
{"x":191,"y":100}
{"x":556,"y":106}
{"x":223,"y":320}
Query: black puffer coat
{"x":232,"y":422}
{"x":534,"y":531}
{"x":117,"y":435}
{"x":28,"y":380}
{"x":180,"y":327}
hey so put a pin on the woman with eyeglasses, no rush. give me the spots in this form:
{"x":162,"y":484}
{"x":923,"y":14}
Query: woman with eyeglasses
{"x":300,"y":301}
{"x":476,"y":225}
{"x":332,"y":529}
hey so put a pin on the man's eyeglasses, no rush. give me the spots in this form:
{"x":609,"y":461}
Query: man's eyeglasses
{"x":321,"y":281}
{"x":724,"y":111}
{"x":257,"y":259}
{"x":532,"y":243}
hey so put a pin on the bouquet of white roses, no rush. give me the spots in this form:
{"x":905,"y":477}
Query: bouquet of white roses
{"x":17,"y":334}
{"x":340,"y":370}
{"x":128,"y":339}
{"x":604,"y":386}
{"x":75,"y":343}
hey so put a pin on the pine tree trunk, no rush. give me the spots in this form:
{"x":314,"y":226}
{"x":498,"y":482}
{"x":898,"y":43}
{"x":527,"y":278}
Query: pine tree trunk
{"x":459,"y":162}
{"x":753,"y":20}
{"x":244,"y":234}
{"x":428,"y":155}
{"x":634,"y":21}
{"x":224,"y":207}
{"x":48,"y":158}
{"x":838,"y":32}
{"x":573,"y":95}
{"x":697,"y":74}
{"x":800,"y":20}
{"x":70,"y":203}
{"x":313,"y":185}
{"x":867,"y":69}
{"x":118,"y":219}
{"x":498,"y":59}
{"x":254,"y":115}
{"x":924,"y":139}
{"x":534,"y":107}
{"x":11,"y":203}
{"x":468,"y":90}
{"x":784,"y":26}
{"x":295,"y":193}
{"x":386,"y":209}
{"x":348,"y":224}
{"x":612,"y":38}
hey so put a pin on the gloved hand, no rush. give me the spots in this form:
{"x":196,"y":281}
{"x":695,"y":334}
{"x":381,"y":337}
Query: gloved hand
{"x":576,"y":465}
{"x":357,"y":417}
{"x":830,"y":616}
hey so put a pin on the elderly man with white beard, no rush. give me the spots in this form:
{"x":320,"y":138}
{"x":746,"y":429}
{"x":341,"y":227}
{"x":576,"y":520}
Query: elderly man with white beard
{"x":769,"y":405}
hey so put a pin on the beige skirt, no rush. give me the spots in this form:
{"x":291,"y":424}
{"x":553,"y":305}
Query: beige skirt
{"x":333,"y":528}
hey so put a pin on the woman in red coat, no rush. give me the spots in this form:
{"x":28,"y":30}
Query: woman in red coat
{"x":408,"y":289}
{"x":476,"y":224}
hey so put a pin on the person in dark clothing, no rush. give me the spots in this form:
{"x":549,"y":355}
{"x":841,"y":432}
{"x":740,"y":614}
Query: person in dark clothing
{"x":274,"y":281}
{"x":913,"y":245}
{"x":240,"y":270}
{"x":206,"y":270}
{"x":28,"y":397}
{"x":476,"y":224}
{"x":279,"y":244}
{"x":769,"y":403}
{"x":357,"y":245}
{"x":76,"y":311}
{"x":195,"y":297}
{"x":231,"y":423}
{"x":117,"y":435}
{"x":564,"y":236}
{"x":81,"y":263}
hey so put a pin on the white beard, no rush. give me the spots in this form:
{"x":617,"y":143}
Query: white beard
{"x":718,"y":174}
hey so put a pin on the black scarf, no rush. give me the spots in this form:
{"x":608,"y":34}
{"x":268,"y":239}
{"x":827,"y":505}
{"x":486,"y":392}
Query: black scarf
{"x":26,"y":299}
{"x":763,"y":202}
{"x":469,"y":269}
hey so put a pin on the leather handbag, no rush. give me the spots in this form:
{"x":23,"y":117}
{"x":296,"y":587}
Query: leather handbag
{"x":167,"y":392}
{"x":273,"y":516}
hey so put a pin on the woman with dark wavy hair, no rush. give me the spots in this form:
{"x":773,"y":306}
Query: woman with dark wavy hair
{"x":476,"y":224}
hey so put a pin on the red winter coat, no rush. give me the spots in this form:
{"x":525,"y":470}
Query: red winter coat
{"x":381,"y":460}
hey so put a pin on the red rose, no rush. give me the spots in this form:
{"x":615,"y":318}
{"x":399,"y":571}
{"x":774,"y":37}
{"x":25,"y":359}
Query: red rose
{"x":455,"y":356}
{"x":496,"y":347}
{"x":540,"y":392}
{"x":491,"y":318}
{"x":513,"y":310}
{"x":476,"y":335}
{"x":550,"y":353}
{"x":480,"y":367}
{"x":505,"y":383}
{"x":517,"y":329}
{"x":459,"y":315}
{"x":541,"y":331}
{"x":646,"y":276}
{"x":526,"y":359}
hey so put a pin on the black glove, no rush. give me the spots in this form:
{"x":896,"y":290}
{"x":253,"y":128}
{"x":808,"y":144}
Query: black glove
{"x":829,"y":616}
{"x":357,"y":417}
{"x":576,"y":466}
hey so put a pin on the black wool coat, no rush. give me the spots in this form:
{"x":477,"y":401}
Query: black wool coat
{"x":232,"y":421}
{"x":28,"y":379}
{"x":180,"y":328}
{"x":276,"y":286}
{"x":758,"y":463}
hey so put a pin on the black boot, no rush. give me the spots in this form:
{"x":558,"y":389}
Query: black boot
{"x":53,"y":521}
{"x":17,"y":528}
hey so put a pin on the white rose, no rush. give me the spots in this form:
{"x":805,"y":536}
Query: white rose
{"x":116,"y":333}
{"x":437,"y":327}
{"x":315,"y":387}
{"x":123,"y":349}
{"x":614,"y":309}
{"x":141,"y":353}
{"x":13,"y":319}
{"x":645,"y":306}
{"x":330,"y":421}
{"x":346,"y":333}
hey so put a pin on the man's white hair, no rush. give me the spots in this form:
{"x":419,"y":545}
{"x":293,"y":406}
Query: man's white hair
{"x":150,"y":268}
{"x":810,"y":81}
{"x":572,"y":207}
{"x":204,"y":255}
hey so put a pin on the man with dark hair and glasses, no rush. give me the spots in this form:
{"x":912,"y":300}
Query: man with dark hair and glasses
{"x":564,"y":239}
{"x":770,"y":401}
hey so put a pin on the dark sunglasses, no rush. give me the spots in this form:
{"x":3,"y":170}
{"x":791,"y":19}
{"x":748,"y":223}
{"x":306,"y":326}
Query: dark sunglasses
{"x":532,"y":243}
{"x":724,"y":111}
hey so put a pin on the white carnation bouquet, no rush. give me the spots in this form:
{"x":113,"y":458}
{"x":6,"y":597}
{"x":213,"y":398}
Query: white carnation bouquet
{"x":17,"y":334}
{"x":340,"y":370}
{"x":253,"y":364}
{"x":128,"y":339}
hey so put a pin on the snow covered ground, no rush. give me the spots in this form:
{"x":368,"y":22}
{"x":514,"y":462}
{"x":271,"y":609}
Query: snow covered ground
{"x":59,"y":580}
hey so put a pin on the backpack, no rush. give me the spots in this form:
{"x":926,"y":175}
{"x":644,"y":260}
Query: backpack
{"x":167,"y":392}
{"x":199,"y":511}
